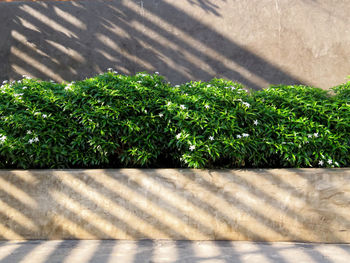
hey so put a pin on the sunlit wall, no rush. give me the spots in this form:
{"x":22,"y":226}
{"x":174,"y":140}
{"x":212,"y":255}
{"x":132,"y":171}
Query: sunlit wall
{"x":255,"y":42}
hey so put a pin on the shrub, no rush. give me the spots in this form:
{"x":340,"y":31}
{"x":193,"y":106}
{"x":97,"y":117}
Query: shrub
{"x":115,"y":120}
{"x":343,"y":92}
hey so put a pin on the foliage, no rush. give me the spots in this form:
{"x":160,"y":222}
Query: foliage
{"x":115,"y":120}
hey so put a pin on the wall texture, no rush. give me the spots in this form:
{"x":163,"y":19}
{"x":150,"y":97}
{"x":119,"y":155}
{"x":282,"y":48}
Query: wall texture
{"x":255,"y":42}
{"x":260,"y":205}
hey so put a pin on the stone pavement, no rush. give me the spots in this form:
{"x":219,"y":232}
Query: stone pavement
{"x":161,"y":251}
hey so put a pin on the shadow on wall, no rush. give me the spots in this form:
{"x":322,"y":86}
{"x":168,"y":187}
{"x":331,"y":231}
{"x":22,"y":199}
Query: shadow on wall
{"x":139,"y":204}
{"x":73,"y":40}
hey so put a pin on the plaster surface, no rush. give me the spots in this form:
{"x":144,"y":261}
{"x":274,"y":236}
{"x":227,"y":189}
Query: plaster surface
{"x":308,"y":205}
{"x":255,"y":42}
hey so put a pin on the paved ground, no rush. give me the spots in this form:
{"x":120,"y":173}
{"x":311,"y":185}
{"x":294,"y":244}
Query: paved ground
{"x":97,"y":251}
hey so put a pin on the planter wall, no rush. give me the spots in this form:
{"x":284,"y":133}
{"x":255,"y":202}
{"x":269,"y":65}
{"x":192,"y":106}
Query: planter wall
{"x":260,"y":205}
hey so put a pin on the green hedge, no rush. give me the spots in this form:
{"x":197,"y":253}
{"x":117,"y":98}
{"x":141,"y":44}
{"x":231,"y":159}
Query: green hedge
{"x":115,"y":120}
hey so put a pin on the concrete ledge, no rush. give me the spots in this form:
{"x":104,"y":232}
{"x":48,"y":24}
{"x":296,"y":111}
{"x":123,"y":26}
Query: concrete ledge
{"x":309,"y":205}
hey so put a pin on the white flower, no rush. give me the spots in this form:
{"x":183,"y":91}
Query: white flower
{"x":36,"y":139}
{"x":161,"y":114}
{"x":110,"y":69}
{"x":329,"y":161}
{"x":246,"y":104}
{"x":316,"y":134}
{"x":156,"y":72}
{"x":145,"y":111}
{"x":44,"y":116}
{"x":115,"y":72}
{"x":31,"y":141}
{"x":192,"y":147}
{"x":169,"y":103}
{"x":207,"y":106}
{"x":4,"y":82}
{"x":320,"y":163}
{"x":256,"y":122}
{"x":245,"y":135}
{"x":178,"y":136}
{"x":2,"y":138}
{"x":183,"y":107}
{"x":208,"y":86}
{"x":29,"y":132}
{"x":226,"y":88}
{"x":24,"y":87}
{"x":67,"y":88}
{"x":211,"y":138}
{"x":239,"y":136}
{"x":309,"y":135}
{"x":176,"y":86}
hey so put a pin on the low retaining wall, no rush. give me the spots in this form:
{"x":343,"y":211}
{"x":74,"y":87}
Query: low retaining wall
{"x":309,"y":205}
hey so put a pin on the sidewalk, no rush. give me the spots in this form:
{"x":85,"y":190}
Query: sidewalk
{"x":97,"y":251}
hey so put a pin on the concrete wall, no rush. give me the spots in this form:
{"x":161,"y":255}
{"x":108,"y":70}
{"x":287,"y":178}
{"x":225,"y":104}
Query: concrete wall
{"x":255,"y":42}
{"x":261,"y":205}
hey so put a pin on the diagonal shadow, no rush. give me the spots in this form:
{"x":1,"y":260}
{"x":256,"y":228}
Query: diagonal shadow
{"x":119,"y":21}
{"x":20,"y":252}
{"x":149,"y":195}
{"x":71,"y":192}
{"x":323,"y":214}
{"x":203,"y":207}
{"x":210,"y":186}
{"x":117,"y":221}
{"x":260,"y":193}
{"x":60,"y":39}
{"x":228,"y":48}
{"x":298,"y":194}
{"x":225,"y":217}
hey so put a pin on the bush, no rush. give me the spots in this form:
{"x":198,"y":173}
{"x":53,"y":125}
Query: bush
{"x":115,"y":121}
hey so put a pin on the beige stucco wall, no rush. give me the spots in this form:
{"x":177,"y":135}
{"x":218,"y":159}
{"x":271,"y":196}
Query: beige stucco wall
{"x":255,"y":42}
{"x":261,"y":205}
